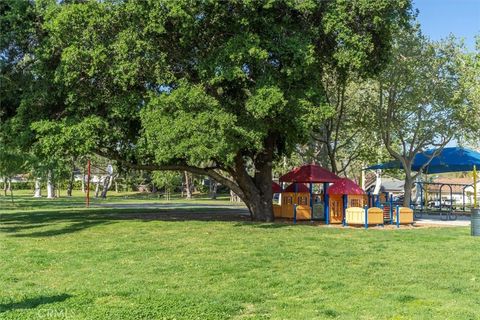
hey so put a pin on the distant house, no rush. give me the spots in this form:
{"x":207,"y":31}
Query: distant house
{"x":390,"y":185}
{"x":17,"y":179}
{"x":460,"y":187}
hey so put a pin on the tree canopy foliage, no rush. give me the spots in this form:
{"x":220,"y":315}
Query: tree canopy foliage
{"x":221,"y":88}
{"x":423,"y":99}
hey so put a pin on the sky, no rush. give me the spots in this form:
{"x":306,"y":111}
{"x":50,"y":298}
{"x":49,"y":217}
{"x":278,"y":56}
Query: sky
{"x":439,"y":18}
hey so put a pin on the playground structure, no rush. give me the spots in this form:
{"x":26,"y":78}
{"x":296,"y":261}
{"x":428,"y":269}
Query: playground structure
{"x":342,"y":202}
{"x":344,"y":194}
{"x":452,"y":159}
{"x":366,"y":216}
{"x":295,"y":199}
{"x":303,"y":204}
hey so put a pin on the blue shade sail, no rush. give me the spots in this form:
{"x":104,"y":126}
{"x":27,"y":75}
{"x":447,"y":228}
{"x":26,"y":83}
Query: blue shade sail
{"x":452,"y":159}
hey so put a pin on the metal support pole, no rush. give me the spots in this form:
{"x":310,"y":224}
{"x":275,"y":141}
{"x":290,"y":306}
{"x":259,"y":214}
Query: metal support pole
{"x":326,"y":203}
{"x":426,"y":191}
{"x":311,"y":201}
{"x":475,"y":204}
{"x":420,"y":187}
{"x":366,"y":217}
{"x":391,"y":209}
{"x":450,"y":213}
{"x":398,"y":216}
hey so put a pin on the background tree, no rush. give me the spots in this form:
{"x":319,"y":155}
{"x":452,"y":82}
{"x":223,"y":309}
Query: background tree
{"x":470,"y":70}
{"x":169,"y":180}
{"x":28,"y":90}
{"x":338,"y":142}
{"x":421,"y":100}
{"x":12,"y":162}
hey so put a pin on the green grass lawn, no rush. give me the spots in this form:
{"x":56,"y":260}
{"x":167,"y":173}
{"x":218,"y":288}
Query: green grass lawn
{"x":24,"y":199}
{"x":61,"y":261}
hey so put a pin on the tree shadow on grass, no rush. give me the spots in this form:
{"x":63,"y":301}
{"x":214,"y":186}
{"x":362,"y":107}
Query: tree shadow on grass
{"x":13,"y":227}
{"x":75,"y":227}
{"x":175,"y":215}
{"x":56,"y":222}
{"x":263,"y":225}
{"x":32,"y":303}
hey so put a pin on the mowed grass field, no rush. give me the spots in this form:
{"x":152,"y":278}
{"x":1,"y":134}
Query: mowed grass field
{"x":59,"y":260}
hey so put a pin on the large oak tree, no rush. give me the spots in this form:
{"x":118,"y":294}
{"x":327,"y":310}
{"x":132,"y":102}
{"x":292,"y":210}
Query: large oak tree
{"x":218,"y":88}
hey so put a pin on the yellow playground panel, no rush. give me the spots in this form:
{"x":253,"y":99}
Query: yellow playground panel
{"x":289,"y":200}
{"x":336,"y":205}
{"x":356,"y":215}
{"x":357,"y":200}
{"x":406,"y":215}
{"x":344,"y":194}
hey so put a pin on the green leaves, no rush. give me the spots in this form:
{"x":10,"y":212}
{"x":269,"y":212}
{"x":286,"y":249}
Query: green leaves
{"x":167,"y":179}
{"x":76,"y":138}
{"x":188,"y":124}
{"x":364,"y":47}
{"x":192,"y":82}
{"x":267,"y":102}
{"x":214,"y":78}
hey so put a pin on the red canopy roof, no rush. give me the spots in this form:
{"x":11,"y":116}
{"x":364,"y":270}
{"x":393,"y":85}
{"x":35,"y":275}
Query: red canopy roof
{"x":309,"y":173}
{"x":276,"y":188}
{"x":301,"y":188}
{"x":345,"y":186}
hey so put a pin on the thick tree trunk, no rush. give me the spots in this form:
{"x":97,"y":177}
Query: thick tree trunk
{"x":11,"y":189}
{"x":407,"y":189}
{"x":50,"y":185}
{"x":188,"y":186}
{"x":126,"y":183}
{"x":5,"y":186}
{"x":97,"y":187}
{"x":71,"y":181}
{"x":261,"y":207}
{"x":262,"y":203}
{"x":257,"y":190}
{"x":234,"y":197}
{"x":107,"y":183}
{"x":213,"y":189}
{"x":84,"y":190}
{"x":332,"y":158}
{"x":38,"y":189}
